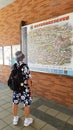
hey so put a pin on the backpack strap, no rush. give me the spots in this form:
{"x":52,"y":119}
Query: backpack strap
{"x":22,"y":65}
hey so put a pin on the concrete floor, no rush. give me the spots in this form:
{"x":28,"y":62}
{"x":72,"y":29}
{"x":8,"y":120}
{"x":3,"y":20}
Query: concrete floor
{"x":47,"y":115}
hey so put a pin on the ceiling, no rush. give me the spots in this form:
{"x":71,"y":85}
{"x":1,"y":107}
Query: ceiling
{"x":4,"y":3}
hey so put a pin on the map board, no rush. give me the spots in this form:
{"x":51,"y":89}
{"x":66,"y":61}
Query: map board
{"x":50,"y":45}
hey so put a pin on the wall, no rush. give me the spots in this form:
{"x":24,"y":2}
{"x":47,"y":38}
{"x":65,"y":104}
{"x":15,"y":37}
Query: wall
{"x":55,"y":87}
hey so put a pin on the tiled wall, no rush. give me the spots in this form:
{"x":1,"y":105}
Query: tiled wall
{"x":54,"y":87}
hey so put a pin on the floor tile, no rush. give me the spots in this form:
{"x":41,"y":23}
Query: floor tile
{"x":35,"y":98}
{"x":8,"y":119}
{"x":57,"y":123}
{"x":67,"y":127}
{"x":7,"y":128}
{"x":1,"y":109}
{"x":52,"y":112}
{"x":70,"y":120}
{"x":28,"y":128}
{"x":17,"y":127}
{"x":4,"y":114}
{"x":2,"y":124}
{"x":63,"y":116}
{"x":49,"y":127}
{"x":6,"y":106}
{"x":9,"y":109}
{"x":38,"y":124}
{"x":43,"y":108}
{"x":2,"y":102}
{"x":20,"y":112}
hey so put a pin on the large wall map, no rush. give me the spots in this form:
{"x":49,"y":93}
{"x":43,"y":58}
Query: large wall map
{"x":50,"y":45}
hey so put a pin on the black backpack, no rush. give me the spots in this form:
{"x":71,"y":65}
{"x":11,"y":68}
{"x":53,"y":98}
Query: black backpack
{"x":16,"y":78}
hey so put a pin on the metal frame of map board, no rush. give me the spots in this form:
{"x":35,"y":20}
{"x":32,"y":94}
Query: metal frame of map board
{"x":48,"y":45}
{"x":1,"y":55}
{"x":7,"y":55}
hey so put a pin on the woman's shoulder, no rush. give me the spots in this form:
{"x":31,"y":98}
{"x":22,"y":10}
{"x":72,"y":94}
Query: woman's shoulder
{"x":14,"y":66}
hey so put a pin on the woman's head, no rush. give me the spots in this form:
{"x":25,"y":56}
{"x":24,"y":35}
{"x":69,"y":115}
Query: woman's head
{"x":19,"y":56}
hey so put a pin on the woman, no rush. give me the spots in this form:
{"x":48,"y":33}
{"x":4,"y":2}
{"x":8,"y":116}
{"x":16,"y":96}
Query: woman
{"x":23,"y":93}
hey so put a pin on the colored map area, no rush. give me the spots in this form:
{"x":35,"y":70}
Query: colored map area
{"x":50,"y":45}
